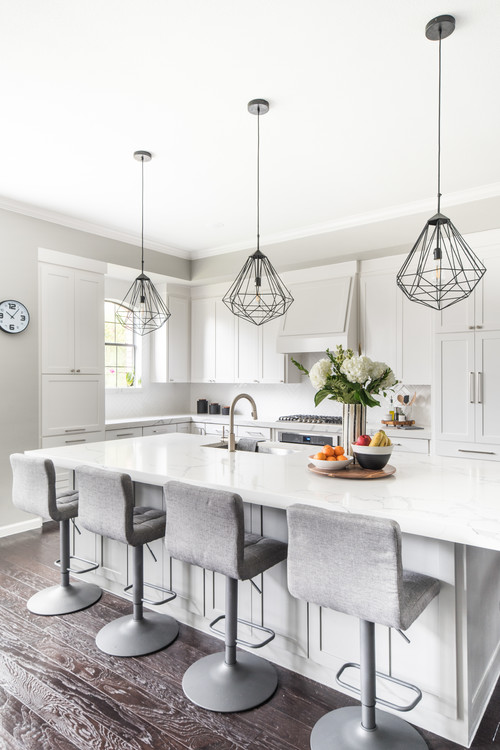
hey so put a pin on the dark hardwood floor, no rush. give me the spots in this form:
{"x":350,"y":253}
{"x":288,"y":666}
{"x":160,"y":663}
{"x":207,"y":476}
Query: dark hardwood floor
{"x":59,"y":692}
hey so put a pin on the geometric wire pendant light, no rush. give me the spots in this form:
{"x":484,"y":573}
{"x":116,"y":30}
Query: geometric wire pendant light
{"x":441,"y":268}
{"x":258,"y":295}
{"x":142,"y":310}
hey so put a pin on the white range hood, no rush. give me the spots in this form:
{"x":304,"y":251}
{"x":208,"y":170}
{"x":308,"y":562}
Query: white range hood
{"x":323,"y":315}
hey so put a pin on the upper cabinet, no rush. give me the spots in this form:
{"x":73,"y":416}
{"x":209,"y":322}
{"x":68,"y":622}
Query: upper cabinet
{"x":170,"y":349}
{"x":257,"y":360}
{"x":212,"y":341}
{"x":393,"y":329}
{"x":72,"y":320}
{"x":481,"y":310}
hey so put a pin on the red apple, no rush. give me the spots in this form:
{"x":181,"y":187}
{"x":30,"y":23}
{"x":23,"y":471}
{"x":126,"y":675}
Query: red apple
{"x":363,"y":440}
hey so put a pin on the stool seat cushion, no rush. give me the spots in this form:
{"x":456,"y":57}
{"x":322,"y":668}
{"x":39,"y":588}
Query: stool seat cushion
{"x":67,"y":505}
{"x":149,"y":524}
{"x":206,"y":528}
{"x":259,"y":554}
{"x":351,"y":563}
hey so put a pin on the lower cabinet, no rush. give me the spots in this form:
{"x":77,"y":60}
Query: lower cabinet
{"x":160,"y":429}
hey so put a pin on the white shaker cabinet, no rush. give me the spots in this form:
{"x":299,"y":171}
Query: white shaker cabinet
{"x":212,"y":341}
{"x":393,"y":329}
{"x":72,"y":320}
{"x":170,"y":349}
{"x":72,"y":405}
{"x":467,"y":408}
{"x":257,"y":360}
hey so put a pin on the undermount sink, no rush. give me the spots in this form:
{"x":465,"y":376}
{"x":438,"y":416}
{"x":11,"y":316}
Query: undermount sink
{"x":262,"y":447}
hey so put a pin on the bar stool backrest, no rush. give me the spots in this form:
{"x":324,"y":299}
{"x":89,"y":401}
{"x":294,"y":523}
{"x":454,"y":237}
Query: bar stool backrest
{"x":205,"y":527}
{"x":347,"y":562}
{"x":106,"y":502}
{"x":34,"y":485}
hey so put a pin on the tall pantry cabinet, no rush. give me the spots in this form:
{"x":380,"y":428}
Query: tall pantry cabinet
{"x":467,"y":362}
{"x":71,"y":355}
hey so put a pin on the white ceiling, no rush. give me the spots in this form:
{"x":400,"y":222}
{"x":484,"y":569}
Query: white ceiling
{"x":349,"y":142}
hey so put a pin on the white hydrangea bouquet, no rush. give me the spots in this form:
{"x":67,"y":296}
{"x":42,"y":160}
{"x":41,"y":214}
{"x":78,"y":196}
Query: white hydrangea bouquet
{"x":348,"y":379}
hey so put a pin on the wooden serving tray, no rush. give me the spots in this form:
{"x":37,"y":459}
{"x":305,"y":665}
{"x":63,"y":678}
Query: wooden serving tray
{"x":398,"y":422}
{"x":353,"y":471}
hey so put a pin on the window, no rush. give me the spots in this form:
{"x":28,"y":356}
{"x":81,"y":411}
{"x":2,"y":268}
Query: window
{"x":120,"y":350}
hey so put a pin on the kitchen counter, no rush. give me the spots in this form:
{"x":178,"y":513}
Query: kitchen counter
{"x":442,"y":498}
{"x":448,"y":510}
{"x":246,"y":421}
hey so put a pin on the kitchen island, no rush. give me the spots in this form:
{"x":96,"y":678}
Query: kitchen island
{"x":448,"y":510}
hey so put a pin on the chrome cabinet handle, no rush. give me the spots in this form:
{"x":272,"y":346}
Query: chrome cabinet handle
{"x":487,"y":453}
{"x":479,"y":326}
{"x":125,"y":434}
{"x":76,"y":429}
{"x":479,"y":387}
{"x":471,"y":387}
{"x":75,"y":441}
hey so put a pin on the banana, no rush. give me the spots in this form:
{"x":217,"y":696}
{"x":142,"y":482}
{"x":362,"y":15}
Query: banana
{"x":377,"y":439}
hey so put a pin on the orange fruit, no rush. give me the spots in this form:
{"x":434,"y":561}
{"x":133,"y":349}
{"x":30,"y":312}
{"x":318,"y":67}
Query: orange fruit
{"x":338,"y":450}
{"x":341,"y":457}
{"x":331,"y":458}
{"x":320,"y":456}
{"x":328,"y":450}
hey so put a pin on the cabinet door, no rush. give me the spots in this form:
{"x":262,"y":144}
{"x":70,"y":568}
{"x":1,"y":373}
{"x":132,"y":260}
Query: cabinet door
{"x":57,"y":319}
{"x":487,"y":356}
{"x":72,"y":405}
{"x":203,"y":340}
{"x":247,"y":352}
{"x":486,"y":297}
{"x":273,"y":363}
{"x":458,"y":317}
{"x":224,"y":343}
{"x":178,"y":340}
{"x":378,"y":318}
{"x":89,"y":322}
{"x":123,"y":433}
{"x":415,"y":342}
{"x":455,"y":386}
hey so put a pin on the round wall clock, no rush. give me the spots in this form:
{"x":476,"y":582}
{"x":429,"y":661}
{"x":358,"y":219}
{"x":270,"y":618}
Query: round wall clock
{"x":14,"y":316}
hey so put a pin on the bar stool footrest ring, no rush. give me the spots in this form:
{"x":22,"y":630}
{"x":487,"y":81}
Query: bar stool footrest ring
{"x":172,"y":594}
{"x":381,"y":675}
{"x":240,"y":641}
{"x":92,"y":565}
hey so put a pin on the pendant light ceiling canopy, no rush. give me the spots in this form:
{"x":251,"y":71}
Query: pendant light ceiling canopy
{"x":441,"y":268}
{"x":142,"y":309}
{"x":258,"y":294}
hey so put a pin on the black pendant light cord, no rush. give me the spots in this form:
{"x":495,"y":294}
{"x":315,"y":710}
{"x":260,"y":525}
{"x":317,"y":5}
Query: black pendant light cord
{"x":258,"y":177}
{"x":142,"y":215}
{"x":439,"y":129}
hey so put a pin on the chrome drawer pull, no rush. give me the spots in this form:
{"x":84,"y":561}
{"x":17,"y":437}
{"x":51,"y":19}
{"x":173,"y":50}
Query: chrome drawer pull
{"x":471,"y":387}
{"x":75,"y":441}
{"x":480,"y":388}
{"x":486,"y":453}
{"x":76,"y":429}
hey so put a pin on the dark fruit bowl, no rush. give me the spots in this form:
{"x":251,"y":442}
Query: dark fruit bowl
{"x":375,"y":457}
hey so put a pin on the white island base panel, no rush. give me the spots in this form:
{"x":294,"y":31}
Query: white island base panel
{"x":441,"y":505}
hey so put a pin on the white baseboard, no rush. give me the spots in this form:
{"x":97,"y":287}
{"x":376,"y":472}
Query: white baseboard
{"x":18,"y":528}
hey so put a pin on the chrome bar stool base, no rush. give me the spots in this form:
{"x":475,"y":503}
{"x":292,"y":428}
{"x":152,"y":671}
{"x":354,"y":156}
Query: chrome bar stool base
{"x":128,"y":637}
{"x":217,"y":686}
{"x":342,"y":729}
{"x":63,"y":600}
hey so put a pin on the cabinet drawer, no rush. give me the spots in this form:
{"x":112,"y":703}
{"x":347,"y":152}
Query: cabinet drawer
{"x":216,"y":429}
{"x":410,"y":445}
{"x":261,"y":433}
{"x":73,"y":439}
{"x":72,"y":404}
{"x":468,"y":450}
{"x":183,"y":426}
{"x":159,"y":429}
{"x":124,"y":432}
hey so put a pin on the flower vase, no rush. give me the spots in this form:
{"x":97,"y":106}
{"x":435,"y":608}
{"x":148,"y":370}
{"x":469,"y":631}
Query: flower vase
{"x":353,"y":424}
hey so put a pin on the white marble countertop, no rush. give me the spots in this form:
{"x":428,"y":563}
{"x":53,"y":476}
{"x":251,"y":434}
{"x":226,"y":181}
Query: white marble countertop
{"x":432,"y":496}
{"x":243,"y":420}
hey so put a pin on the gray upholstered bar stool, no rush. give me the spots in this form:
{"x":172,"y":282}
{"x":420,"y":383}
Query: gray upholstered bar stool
{"x":34,"y":491}
{"x":352,"y":564}
{"x":206,"y":527}
{"x":107,"y":508}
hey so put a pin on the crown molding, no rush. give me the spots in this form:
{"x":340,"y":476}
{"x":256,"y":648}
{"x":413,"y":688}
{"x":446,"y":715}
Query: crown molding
{"x":357,"y":220}
{"x":35,"y":212}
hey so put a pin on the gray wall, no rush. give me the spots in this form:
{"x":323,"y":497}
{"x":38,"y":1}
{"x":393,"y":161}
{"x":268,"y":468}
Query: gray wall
{"x":20,"y":238}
